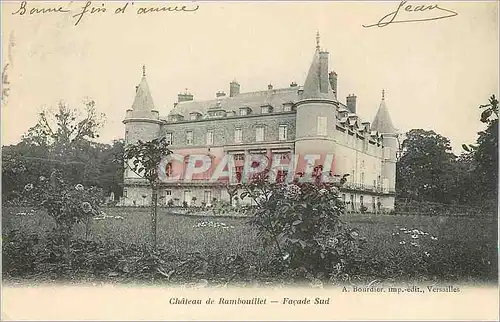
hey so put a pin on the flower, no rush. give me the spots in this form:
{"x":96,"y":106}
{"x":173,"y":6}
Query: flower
{"x":292,"y":191}
{"x":332,"y":242}
{"x":334,"y":190}
{"x":79,"y":187}
{"x":402,"y":229}
{"x":86,"y":207}
{"x":427,"y":254}
{"x":42,"y":178}
{"x":28,"y":187}
{"x":323,"y":191}
{"x":434,"y":238}
{"x":414,"y":236}
{"x":286,"y":256}
{"x":354,"y":234}
{"x":414,"y":244}
{"x":402,"y":242}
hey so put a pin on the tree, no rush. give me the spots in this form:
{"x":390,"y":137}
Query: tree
{"x":62,"y":132}
{"x":484,"y":154}
{"x":144,"y":159}
{"x":425,"y":167}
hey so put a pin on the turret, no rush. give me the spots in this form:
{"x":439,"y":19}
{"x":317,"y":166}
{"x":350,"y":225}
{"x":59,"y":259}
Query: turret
{"x":383,"y":124}
{"x":315,"y":121}
{"x":142,"y":121}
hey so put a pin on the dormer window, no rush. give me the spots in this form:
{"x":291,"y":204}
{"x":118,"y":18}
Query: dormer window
{"x":216,"y":113}
{"x":175,"y":118}
{"x":287,"y":107}
{"x":193,"y":116}
{"x":266,"y":109}
{"x":245,"y":111}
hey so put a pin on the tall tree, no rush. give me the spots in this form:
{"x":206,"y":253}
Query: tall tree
{"x":144,"y":159}
{"x":425,"y":166}
{"x":485,"y":154}
{"x":60,"y":140}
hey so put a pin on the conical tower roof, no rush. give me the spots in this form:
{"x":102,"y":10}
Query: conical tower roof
{"x":317,"y":84}
{"x":143,"y":100}
{"x":382,"y":121}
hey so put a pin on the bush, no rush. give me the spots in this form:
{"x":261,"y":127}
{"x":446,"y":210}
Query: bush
{"x":302,"y":222}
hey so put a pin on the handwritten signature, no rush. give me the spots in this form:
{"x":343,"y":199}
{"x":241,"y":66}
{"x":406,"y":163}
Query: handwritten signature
{"x":391,"y":17}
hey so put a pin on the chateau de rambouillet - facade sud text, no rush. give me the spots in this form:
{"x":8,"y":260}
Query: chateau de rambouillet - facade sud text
{"x":281,"y":128}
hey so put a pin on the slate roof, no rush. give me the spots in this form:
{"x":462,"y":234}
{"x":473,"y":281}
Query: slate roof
{"x":253,"y":100}
{"x":382,"y":121}
{"x":143,"y":100}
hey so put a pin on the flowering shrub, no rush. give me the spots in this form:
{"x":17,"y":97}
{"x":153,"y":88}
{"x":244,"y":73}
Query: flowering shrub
{"x":66,"y":204}
{"x":302,"y":221}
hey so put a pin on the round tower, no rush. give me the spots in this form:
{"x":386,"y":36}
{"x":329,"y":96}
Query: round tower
{"x":316,"y":109}
{"x":383,"y":124}
{"x":142,"y":122}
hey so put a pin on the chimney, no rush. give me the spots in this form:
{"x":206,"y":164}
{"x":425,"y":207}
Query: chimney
{"x":184,"y":97}
{"x":220,"y":94}
{"x":234,"y":88}
{"x":332,"y":77}
{"x":351,"y":103}
{"x":270,"y":86}
{"x":293,"y":84}
{"x":323,"y":72}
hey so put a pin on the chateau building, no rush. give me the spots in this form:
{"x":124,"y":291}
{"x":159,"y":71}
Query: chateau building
{"x":275,"y":122}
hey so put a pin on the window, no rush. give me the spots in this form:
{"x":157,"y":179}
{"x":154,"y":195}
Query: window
{"x":189,"y":137}
{"x":284,"y":156}
{"x":352,"y":176}
{"x":239,"y":157}
{"x":322,"y":124}
{"x":264,"y":109}
{"x":343,"y":198}
{"x":125,"y":193}
{"x":169,"y":138}
{"x":237,"y":135}
{"x":210,"y":137}
{"x":126,"y":137}
{"x":361,"y":200}
{"x":168,"y":169}
{"x":362,"y":178}
{"x":243,"y":111}
{"x":194,"y":116}
{"x":283,"y":132}
{"x":287,"y":108}
{"x":207,"y":196}
{"x":187,"y":196}
{"x":259,"y":134}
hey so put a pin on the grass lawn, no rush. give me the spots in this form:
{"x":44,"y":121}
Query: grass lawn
{"x":465,"y":249}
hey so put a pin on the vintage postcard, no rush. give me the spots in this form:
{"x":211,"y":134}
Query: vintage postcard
{"x":250,"y":160}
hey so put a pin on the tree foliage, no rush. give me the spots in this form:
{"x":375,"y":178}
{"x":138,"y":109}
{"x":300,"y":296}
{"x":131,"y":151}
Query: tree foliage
{"x":144,"y":158}
{"x":62,"y":140}
{"x":423,"y":171}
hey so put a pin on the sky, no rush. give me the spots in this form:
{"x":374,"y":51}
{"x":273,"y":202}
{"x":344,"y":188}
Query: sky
{"x":435,"y":73}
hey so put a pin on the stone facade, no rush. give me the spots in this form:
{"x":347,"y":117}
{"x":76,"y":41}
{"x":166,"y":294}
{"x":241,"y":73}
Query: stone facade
{"x":302,"y":120}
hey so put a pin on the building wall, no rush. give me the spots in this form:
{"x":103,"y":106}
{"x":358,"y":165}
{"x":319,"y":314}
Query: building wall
{"x":224,"y":129}
{"x":350,"y":152}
